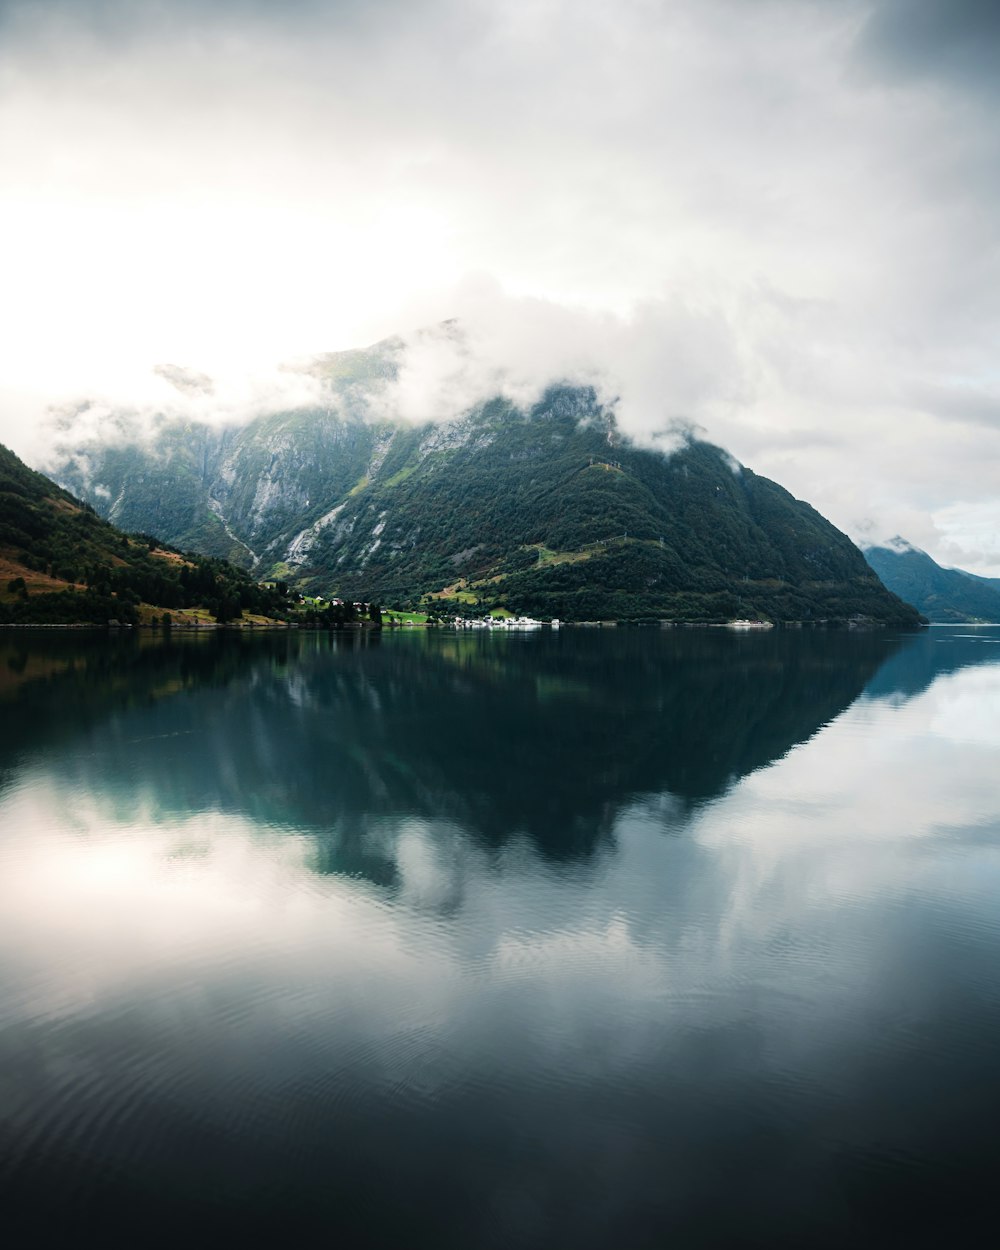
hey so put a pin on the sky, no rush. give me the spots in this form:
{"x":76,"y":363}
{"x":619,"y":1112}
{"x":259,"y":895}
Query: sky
{"x":775,"y":220}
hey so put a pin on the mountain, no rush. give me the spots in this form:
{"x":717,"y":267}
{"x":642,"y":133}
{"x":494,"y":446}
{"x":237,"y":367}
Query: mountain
{"x":62,"y":564}
{"x":942,"y":595}
{"x":550,"y":510}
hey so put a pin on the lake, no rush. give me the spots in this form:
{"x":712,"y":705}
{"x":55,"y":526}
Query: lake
{"x":577,"y":938}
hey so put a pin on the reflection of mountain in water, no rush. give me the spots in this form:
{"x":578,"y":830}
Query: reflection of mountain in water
{"x":928,"y":654}
{"x":547,"y":735}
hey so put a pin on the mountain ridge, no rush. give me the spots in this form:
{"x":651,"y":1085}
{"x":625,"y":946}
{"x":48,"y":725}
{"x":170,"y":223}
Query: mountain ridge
{"x":549,"y":509}
{"x":943,"y":595}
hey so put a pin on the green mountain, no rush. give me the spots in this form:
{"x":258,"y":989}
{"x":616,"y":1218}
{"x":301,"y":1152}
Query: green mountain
{"x":942,"y":595}
{"x":60,"y":563}
{"x":551,"y":511}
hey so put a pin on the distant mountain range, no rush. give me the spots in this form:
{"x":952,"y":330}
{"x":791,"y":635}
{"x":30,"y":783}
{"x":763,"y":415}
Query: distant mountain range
{"x":549,"y":510}
{"x":942,"y":595}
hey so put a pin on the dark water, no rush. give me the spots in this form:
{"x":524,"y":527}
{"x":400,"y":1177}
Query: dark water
{"x":585,"y":939}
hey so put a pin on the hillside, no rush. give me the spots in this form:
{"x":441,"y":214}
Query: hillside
{"x":942,"y":595}
{"x":550,"y":511}
{"x":62,"y":564}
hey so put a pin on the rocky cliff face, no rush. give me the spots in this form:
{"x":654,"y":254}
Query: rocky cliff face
{"x":244,"y":493}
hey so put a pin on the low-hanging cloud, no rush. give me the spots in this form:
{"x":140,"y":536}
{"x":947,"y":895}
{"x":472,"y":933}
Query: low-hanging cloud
{"x":167,"y":395}
{"x":662,"y":366}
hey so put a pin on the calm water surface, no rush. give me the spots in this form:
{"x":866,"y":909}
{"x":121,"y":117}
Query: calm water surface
{"x":575,"y":939}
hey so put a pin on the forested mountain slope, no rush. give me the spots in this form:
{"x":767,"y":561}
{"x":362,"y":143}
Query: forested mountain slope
{"x":60,"y":563}
{"x":942,"y":595}
{"x":550,"y":511}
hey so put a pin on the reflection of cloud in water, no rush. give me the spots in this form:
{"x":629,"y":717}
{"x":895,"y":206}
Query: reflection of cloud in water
{"x":968,"y":711}
{"x":731,"y":990}
{"x":892,"y":803}
{"x":871,"y":804}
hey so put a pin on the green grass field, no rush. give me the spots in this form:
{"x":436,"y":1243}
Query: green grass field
{"x":403,"y":618}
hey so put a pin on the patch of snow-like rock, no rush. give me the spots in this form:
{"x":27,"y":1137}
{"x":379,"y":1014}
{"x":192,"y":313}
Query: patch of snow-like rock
{"x":216,"y":510}
{"x":450,"y":435}
{"x":299,"y":548}
{"x":379,"y":452}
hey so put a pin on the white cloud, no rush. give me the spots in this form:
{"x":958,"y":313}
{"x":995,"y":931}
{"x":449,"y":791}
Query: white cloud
{"x":971,"y":533}
{"x":662,"y":365}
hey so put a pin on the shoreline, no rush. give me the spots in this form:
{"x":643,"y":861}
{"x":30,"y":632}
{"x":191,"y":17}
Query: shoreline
{"x":366,"y":627}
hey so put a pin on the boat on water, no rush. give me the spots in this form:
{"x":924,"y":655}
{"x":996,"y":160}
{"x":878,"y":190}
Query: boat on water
{"x":750,"y":624}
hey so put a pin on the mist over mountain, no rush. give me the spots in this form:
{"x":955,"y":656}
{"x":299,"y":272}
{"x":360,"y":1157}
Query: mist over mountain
{"x":543,"y":505}
{"x":942,"y":595}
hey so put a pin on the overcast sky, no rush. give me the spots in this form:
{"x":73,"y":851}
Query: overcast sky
{"x":778,"y":219}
